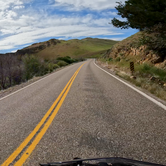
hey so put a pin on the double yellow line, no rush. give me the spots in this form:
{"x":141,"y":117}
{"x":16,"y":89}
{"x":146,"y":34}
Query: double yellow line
{"x":39,"y":131}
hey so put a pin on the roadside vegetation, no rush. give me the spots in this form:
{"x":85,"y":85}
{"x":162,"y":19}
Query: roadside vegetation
{"x":146,"y":76}
{"x":147,"y":48}
{"x":42,"y":58}
{"x":15,"y":70}
{"x":146,"y":16}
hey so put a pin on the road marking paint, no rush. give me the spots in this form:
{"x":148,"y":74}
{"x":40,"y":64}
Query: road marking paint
{"x":140,"y":92}
{"x":27,"y":86}
{"x":44,"y":129}
{"x":26,"y":141}
{"x":60,"y":99}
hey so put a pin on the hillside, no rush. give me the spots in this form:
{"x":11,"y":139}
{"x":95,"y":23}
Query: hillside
{"x":131,"y":49}
{"x":42,"y":58}
{"x":149,"y":64}
{"x":88,"y":47}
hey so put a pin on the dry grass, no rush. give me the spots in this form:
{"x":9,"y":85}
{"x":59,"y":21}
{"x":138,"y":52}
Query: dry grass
{"x":148,"y":76}
{"x":152,"y":87}
{"x":88,"y":47}
{"x":143,"y":73}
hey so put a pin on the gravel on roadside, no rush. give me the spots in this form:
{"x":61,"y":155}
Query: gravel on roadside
{"x":15,"y":88}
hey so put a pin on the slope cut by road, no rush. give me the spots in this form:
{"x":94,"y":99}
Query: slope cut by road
{"x":100,"y":117}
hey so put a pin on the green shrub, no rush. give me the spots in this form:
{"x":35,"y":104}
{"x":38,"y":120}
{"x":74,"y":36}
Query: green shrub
{"x":31,"y":66}
{"x":155,"y":41}
{"x":121,"y":54}
{"x":79,"y":59}
{"x":117,"y":59}
{"x":44,"y":69}
{"x":62,"y":63}
{"x":67,"y":59}
{"x":55,"y":66}
{"x":46,"y":60}
{"x":152,"y":70}
{"x":51,"y":67}
{"x":146,"y":68}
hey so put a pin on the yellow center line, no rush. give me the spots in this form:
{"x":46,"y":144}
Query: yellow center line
{"x":29,"y":150}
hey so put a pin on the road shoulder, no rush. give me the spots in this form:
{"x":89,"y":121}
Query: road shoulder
{"x":112,"y":72}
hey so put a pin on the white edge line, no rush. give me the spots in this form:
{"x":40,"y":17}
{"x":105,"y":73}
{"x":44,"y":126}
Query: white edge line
{"x":25,"y":87}
{"x":143,"y":94}
{"x":30,"y":84}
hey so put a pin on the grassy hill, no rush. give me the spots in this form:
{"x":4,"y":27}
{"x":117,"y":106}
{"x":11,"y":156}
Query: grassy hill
{"x":88,"y":47}
{"x":150,"y":66}
{"x":132,"y":49}
{"x":41,"y":58}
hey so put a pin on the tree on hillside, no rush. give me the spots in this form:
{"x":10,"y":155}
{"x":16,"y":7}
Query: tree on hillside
{"x":10,"y":65}
{"x":31,"y":66}
{"x":10,"y":71}
{"x":148,"y":16}
{"x":2,"y":74}
{"x":141,"y":14}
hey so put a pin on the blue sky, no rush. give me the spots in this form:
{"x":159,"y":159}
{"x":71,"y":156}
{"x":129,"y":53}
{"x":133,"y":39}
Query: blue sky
{"x":24,"y":22}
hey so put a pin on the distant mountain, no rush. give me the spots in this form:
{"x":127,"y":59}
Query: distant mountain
{"x":53,"y":48}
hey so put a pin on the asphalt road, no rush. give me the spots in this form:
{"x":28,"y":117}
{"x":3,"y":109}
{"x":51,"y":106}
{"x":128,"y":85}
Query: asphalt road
{"x":100,"y":117}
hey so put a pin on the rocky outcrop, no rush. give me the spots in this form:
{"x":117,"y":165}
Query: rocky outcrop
{"x":36,"y":47}
{"x":130,"y":48}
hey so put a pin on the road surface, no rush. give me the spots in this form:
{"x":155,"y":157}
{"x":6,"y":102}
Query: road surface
{"x":99,"y":117}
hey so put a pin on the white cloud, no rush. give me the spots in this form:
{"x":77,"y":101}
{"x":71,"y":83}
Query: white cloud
{"x":88,"y":4}
{"x":117,"y":39}
{"x":14,"y":51}
{"x":5,"y":4}
{"x":29,"y":35}
{"x":109,"y":14}
{"x":19,"y":7}
{"x":20,"y":25}
{"x":10,"y":14}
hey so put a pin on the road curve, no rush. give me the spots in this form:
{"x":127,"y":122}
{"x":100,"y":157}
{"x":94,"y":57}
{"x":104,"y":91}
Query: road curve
{"x":100,"y":117}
